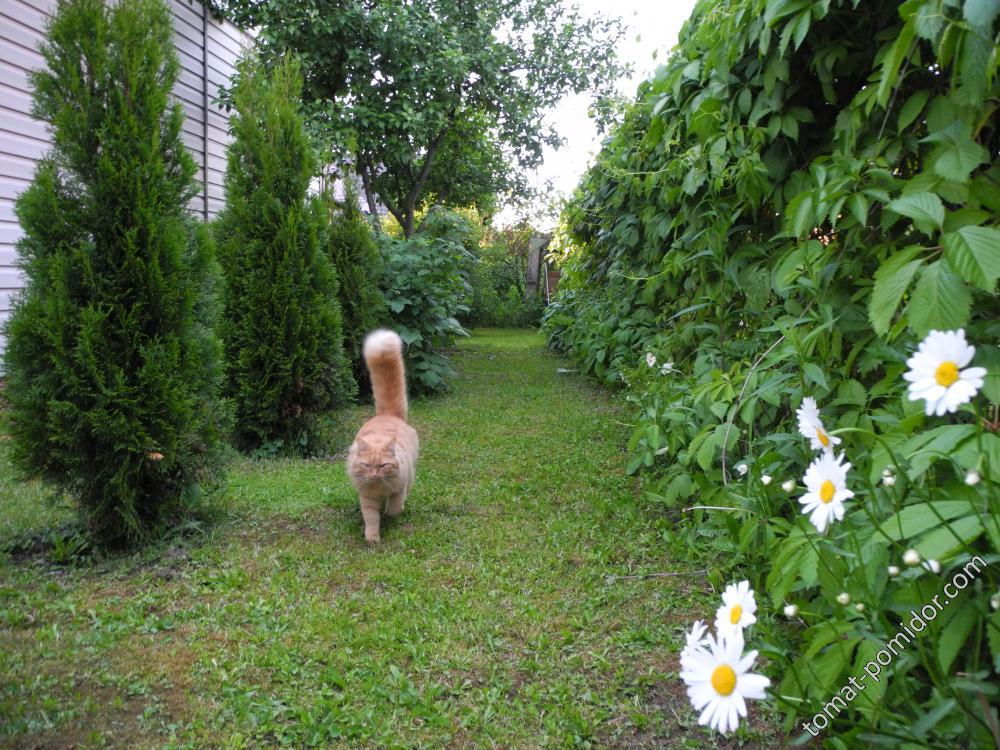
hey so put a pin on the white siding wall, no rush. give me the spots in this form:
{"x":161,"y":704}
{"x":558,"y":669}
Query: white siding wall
{"x":23,"y":140}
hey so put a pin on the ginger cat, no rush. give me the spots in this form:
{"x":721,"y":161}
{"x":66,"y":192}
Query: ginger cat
{"x":382,"y":460}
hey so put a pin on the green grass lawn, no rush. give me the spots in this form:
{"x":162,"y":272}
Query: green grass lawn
{"x":486,"y":618}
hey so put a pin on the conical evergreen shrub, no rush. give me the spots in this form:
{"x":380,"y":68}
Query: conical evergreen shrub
{"x":354,"y":253}
{"x":282,"y":329}
{"x":113,"y":369}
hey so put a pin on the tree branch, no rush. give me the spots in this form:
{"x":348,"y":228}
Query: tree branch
{"x":425,"y":169}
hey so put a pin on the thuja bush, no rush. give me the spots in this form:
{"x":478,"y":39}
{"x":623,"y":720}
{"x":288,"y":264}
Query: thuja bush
{"x":112,"y":366}
{"x":282,"y":326}
{"x":425,"y":285}
{"x":792,"y":207}
{"x":353,"y":250}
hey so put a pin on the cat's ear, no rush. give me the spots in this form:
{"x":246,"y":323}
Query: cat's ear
{"x":391,"y":448}
{"x":362,"y":445}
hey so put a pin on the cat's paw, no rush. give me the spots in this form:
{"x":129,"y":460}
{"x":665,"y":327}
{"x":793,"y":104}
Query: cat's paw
{"x":372,"y":537}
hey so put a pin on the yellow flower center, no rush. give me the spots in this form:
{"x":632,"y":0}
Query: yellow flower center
{"x":724,"y":679}
{"x":827,"y":490}
{"x":823,"y":439}
{"x":735,"y":614}
{"x":946,"y":373}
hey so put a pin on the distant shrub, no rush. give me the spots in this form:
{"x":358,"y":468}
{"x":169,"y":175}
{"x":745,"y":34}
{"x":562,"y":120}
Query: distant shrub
{"x":498,"y":282}
{"x":354,"y":252}
{"x":113,"y":369}
{"x":498,"y":303}
{"x":425,"y":286}
{"x":282,"y":326}
{"x":462,"y":227}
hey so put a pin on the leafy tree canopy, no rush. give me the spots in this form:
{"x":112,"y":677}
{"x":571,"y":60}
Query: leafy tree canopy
{"x":411,"y":90}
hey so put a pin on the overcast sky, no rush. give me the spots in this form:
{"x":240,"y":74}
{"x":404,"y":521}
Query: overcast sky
{"x":652,"y":25}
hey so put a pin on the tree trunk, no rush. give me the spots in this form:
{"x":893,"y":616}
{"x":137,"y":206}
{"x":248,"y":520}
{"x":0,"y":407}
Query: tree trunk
{"x":366,"y":182}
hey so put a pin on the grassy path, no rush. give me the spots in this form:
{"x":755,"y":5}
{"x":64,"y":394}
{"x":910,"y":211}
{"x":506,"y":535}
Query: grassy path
{"x":485,"y":619}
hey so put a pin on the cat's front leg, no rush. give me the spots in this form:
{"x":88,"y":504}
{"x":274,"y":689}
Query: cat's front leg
{"x":371,"y":508}
{"x":395,"y":504}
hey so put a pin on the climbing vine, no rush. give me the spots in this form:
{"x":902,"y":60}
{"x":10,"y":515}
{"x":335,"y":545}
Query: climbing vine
{"x":795,"y":200}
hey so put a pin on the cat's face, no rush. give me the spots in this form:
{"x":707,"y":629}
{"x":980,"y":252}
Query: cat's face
{"x":375,"y":463}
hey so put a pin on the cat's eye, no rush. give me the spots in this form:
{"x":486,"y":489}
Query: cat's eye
{"x":382,"y":466}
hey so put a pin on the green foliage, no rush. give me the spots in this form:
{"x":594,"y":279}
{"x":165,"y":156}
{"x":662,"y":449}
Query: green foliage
{"x":796,"y":198}
{"x":442,"y":98}
{"x":282,"y":328}
{"x":353,"y":251}
{"x":288,"y":578}
{"x":425,"y":284}
{"x":112,"y":367}
{"x":498,"y":282}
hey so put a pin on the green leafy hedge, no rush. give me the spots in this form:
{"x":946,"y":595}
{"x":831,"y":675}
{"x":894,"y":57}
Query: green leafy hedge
{"x":796,"y":198}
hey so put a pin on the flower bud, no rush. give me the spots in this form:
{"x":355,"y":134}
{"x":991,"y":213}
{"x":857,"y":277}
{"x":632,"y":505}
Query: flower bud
{"x":933,"y":566}
{"x":765,"y":479}
{"x":972,"y":478}
{"x":788,"y":486}
{"x":860,"y":606}
{"x":889,"y":480}
{"x":791,"y":610}
{"x":894,"y":571}
{"x":843,"y":598}
{"x":911,"y":557}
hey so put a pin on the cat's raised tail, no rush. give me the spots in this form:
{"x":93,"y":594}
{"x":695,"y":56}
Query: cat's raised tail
{"x":383,"y":352}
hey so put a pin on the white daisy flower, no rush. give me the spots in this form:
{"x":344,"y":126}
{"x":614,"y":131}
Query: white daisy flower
{"x":667,"y":368}
{"x":765,"y":479}
{"x":742,"y":469}
{"x":650,"y":359}
{"x":719,"y":681}
{"x":826,"y":485}
{"x":811,"y":426}
{"x":696,"y":642}
{"x":936,"y":373}
{"x":791,"y":610}
{"x":738,"y":608}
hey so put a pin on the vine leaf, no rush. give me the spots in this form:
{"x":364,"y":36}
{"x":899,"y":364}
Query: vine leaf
{"x":891,"y":281}
{"x":940,"y":300}
{"x":925,"y":209}
{"x":981,"y":13}
{"x":974,"y":253}
{"x":956,"y":154}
